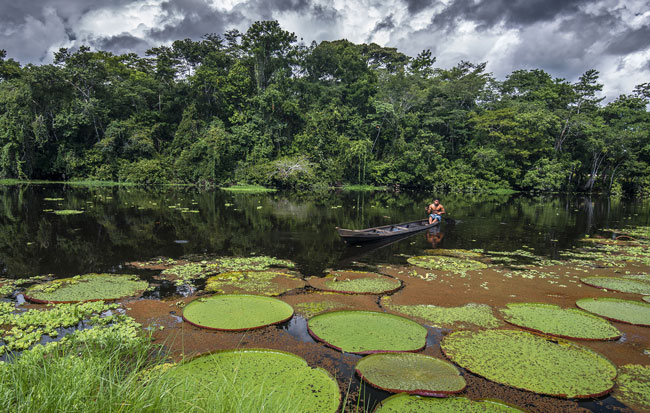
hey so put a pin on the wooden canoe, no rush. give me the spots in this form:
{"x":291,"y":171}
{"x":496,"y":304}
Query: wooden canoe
{"x":383,"y":232}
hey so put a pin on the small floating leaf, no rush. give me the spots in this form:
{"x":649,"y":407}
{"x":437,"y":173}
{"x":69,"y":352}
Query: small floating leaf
{"x":634,"y":386}
{"x":285,"y":380}
{"x":365,"y":332}
{"x":626,"y":311}
{"x":67,"y":212}
{"x":89,"y":287}
{"x":446,"y":263}
{"x":355,"y":282}
{"x":236,"y":312}
{"x":554,"y":320}
{"x":624,"y":285}
{"x":530,"y":362}
{"x":257,"y":282}
{"x":410,"y":373}
{"x":406,"y":403}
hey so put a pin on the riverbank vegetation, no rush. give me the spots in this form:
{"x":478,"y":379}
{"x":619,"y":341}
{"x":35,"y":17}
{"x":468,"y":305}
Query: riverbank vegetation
{"x":260,"y":107}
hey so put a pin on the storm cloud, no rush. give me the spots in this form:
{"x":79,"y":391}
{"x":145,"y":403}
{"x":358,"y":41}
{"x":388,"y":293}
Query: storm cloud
{"x":563,"y":37}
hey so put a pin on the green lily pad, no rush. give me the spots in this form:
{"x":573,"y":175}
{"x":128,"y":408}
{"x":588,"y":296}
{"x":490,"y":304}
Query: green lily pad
{"x":366,"y":332}
{"x":443,"y":263}
{"x":625,"y":311}
{"x":406,"y":403}
{"x":456,"y":253}
{"x":287,"y":382}
{"x":89,"y":287}
{"x":410,"y":373}
{"x":623,"y":285}
{"x":236,"y":312}
{"x":257,"y":282}
{"x":471,"y":314}
{"x":531,"y":362}
{"x":633,"y":386}
{"x":561,"y":322}
{"x":355,"y":282}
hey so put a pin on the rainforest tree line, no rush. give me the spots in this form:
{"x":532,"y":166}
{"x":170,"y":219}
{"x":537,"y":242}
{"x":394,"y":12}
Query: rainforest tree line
{"x":260,"y":107}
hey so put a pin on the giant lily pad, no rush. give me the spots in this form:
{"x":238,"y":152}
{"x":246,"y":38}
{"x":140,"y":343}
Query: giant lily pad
{"x":471,"y":314}
{"x":554,"y":320}
{"x":625,"y":311}
{"x":633,"y":386}
{"x":406,"y":403}
{"x":89,"y":287}
{"x":646,"y":298}
{"x":366,"y":332}
{"x":240,"y":377}
{"x":624,"y":285}
{"x":355,"y":282}
{"x":456,"y":253}
{"x":443,"y":263}
{"x":258,"y":282}
{"x":236,"y":312}
{"x":530,"y":362}
{"x":410,"y":373}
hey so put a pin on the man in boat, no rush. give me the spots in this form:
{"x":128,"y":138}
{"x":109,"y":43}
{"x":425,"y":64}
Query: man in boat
{"x":435,"y":211}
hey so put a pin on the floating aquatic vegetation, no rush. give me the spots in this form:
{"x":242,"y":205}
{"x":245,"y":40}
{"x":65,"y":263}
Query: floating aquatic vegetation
{"x":53,"y":199}
{"x":287,"y":382}
{"x":562,"y":322}
{"x":646,"y":298}
{"x":366,"y":332}
{"x":24,"y":329}
{"x":410,"y":373}
{"x":248,"y":189}
{"x":624,"y":285}
{"x":88,"y":287}
{"x":67,"y":212}
{"x":236,"y":312}
{"x":160,"y":263}
{"x":633,"y":386}
{"x":626,"y":311}
{"x":406,"y":403}
{"x":310,"y":309}
{"x":187,"y":274}
{"x":355,"y":282}
{"x":259,"y":282}
{"x":457,"y":253}
{"x":530,"y":362}
{"x":479,"y":315}
{"x":256,"y":263}
{"x":446,"y":263}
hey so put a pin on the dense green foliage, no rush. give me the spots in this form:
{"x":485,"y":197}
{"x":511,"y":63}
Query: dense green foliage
{"x":262,"y":108}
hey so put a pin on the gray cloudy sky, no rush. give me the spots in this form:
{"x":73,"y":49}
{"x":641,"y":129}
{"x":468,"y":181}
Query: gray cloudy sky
{"x":563,"y":37}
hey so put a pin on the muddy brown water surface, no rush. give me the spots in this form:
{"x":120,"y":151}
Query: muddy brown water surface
{"x":122,"y":225}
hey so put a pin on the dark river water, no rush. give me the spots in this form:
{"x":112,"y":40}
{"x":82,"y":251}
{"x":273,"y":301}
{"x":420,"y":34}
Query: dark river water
{"x":121,"y":224}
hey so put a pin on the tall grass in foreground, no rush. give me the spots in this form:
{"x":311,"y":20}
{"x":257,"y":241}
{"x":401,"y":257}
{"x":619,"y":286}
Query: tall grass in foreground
{"x":117,"y":375}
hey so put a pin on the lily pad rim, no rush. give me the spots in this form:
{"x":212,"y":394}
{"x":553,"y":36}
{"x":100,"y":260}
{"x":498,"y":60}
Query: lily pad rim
{"x":551,"y":335}
{"x":326,"y":343}
{"x":416,"y":392}
{"x":640,"y":302}
{"x":548,"y":338}
{"x":39,"y":301}
{"x":237,"y":329}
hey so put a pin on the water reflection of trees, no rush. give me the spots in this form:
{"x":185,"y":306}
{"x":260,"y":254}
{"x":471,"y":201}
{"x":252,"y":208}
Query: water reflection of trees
{"x":126,"y":223}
